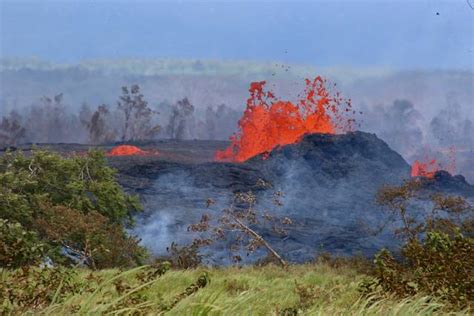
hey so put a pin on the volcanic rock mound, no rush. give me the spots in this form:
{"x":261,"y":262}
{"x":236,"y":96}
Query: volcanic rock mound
{"x":328,"y":181}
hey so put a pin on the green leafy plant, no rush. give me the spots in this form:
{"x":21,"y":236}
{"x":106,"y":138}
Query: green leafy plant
{"x":200,"y":283}
{"x":235,"y":286}
{"x":307,"y":294}
{"x":439,"y":265}
{"x":18,"y":247}
{"x":72,"y":206}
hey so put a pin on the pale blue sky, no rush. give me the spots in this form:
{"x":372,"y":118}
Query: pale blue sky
{"x":403,"y":34}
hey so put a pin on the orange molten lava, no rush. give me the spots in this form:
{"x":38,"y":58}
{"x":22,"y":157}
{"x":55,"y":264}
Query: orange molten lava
{"x":126,"y":150}
{"x":268,"y":122}
{"x":427,"y":170}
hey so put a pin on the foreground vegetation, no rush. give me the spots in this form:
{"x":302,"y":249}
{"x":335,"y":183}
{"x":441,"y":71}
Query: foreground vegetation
{"x":310,"y":289}
{"x":64,"y":210}
{"x":64,"y":249}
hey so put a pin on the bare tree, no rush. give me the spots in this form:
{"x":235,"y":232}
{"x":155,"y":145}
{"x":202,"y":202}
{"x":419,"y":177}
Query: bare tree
{"x":240,"y":223}
{"x":436,"y":212}
{"x":11,"y":129}
{"x":220,"y":121}
{"x":137,"y":115}
{"x":98,"y":128}
{"x":181,"y":119}
{"x":49,"y":121}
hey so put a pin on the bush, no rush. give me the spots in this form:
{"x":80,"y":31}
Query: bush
{"x":438,"y":255}
{"x":359,"y":263}
{"x":18,"y":247}
{"x":35,"y":288}
{"x":439,"y":265}
{"x":184,"y":257}
{"x":89,"y":238}
{"x":73,"y":206}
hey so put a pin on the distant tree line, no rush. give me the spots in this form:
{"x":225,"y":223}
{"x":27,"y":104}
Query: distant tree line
{"x":131,"y":119}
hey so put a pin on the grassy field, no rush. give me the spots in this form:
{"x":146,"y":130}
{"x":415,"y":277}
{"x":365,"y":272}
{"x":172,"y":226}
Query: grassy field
{"x":312,"y":289}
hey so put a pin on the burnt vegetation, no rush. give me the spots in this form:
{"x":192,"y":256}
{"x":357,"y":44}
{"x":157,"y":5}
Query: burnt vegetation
{"x":236,"y":227}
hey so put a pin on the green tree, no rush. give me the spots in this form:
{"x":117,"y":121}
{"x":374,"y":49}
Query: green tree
{"x":18,"y":247}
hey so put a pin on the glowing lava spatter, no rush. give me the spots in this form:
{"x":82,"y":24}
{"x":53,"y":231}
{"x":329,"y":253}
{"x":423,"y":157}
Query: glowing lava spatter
{"x":425,"y":169}
{"x":428,"y":169}
{"x":268,"y":122}
{"x":126,"y":150}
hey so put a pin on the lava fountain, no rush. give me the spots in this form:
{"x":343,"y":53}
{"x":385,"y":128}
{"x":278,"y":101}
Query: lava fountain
{"x":268,"y":122}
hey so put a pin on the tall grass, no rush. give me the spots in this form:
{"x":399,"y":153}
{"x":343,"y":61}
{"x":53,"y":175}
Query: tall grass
{"x":311,"y":289}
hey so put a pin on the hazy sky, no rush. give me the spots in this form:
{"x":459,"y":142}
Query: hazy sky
{"x":400,"y":34}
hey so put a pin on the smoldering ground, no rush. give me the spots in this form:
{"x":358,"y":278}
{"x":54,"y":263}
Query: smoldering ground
{"x":328,"y":185}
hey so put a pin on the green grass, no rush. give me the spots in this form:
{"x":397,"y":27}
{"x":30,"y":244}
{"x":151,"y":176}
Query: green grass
{"x":312,"y":289}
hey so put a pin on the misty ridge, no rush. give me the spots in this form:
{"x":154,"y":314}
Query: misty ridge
{"x":420,"y":114}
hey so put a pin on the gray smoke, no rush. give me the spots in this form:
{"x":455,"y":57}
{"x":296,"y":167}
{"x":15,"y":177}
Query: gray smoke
{"x":446,"y":135}
{"x":328,"y":184}
{"x":172,"y":204}
{"x":398,"y":124}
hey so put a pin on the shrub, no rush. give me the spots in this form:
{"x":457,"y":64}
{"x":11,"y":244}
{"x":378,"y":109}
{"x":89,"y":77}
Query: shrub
{"x":236,"y":286}
{"x":438,"y":255}
{"x":89,"y":238}
{"x":73,"y":206}
{"x":18,"y":247}
{"x":307,"y":295}
{"x":359,"y":263}
{"x":440,"y":265}
{"x":184,"y":257}
{"x":36,"y":288}
{"x":200,"y":283}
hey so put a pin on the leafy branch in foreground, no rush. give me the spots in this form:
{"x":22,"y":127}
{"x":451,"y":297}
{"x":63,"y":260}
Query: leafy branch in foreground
{"x":200,"y":283}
